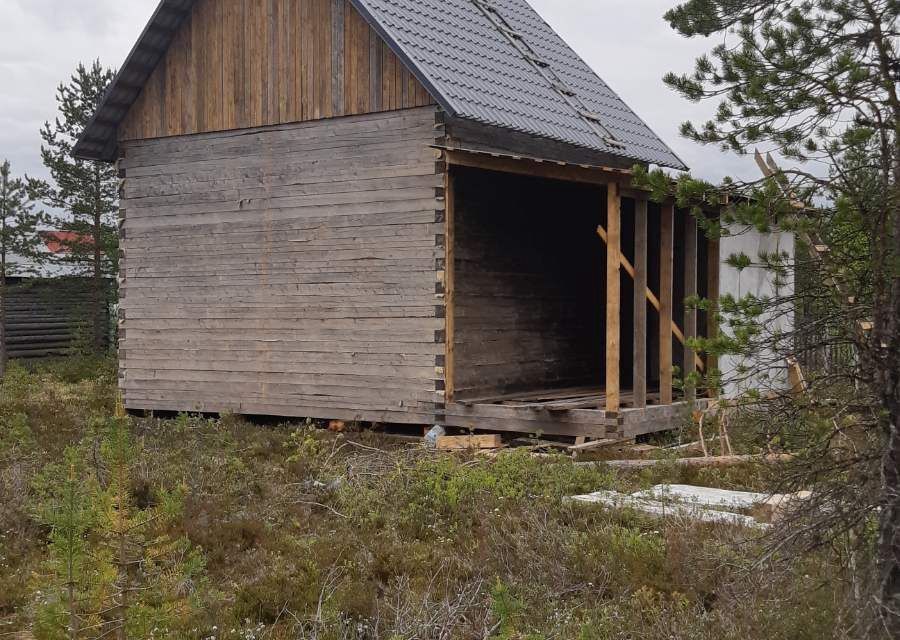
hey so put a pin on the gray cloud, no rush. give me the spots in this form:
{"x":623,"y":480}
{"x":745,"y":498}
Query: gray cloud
{"x":41,"y":43}
{"x":626,"y":41}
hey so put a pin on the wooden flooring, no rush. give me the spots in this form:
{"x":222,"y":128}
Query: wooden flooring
{"x":573,"y":411}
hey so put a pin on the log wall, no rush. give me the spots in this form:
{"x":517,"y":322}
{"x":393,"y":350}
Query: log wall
{"x":290,"y":270}
{"x":46,"y":318}
{"x":238,"y":64}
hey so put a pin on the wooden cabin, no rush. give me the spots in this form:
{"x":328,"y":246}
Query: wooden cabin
{"x":400,"y":211}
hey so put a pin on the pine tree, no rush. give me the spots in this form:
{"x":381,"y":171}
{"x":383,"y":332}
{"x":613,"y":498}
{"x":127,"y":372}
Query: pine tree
{"x":818,"y":82}
{"x":116,"y":568}
{"x":20,"y":243}
{"x":86,"y":191}
{"x":68,"y":509}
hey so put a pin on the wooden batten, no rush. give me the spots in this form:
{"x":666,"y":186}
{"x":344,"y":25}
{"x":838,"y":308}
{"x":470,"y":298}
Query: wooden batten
{"x":640,"y":303}
{"x":613,"y":297}
{"x":666,"y":300}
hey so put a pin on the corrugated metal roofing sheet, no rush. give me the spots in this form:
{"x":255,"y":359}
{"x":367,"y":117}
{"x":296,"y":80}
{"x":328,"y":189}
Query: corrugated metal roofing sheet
{"x":479,"y":74}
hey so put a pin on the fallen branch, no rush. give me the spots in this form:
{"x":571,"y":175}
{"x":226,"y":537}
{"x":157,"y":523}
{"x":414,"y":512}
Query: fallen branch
{"x":717,"y":461}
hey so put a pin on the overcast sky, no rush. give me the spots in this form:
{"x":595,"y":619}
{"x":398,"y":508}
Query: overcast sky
{"x":626,"y":41}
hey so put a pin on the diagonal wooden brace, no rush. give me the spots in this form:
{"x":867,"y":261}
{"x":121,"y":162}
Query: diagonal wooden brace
{"x":676,"y":330}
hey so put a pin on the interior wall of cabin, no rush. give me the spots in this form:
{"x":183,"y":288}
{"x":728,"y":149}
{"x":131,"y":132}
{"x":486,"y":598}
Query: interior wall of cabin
{"x":530,"y":289}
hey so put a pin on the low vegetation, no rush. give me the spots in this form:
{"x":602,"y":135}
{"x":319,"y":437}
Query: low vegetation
{"x":202,"y":528}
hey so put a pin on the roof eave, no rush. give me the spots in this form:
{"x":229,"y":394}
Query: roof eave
{"x":97,"y":142}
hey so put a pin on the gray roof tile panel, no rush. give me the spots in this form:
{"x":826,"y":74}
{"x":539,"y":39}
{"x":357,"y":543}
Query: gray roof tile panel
{"x":480,"y":75}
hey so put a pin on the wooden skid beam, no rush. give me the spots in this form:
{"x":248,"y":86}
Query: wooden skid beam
{"x":676,"y":330}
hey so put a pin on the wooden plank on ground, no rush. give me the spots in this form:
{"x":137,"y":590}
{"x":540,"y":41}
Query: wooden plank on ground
{"x":600,"y":444}
{"x":718,"y":461}
{"x":461,"y":443}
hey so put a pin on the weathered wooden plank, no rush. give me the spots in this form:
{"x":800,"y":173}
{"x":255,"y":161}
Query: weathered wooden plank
{"x":337,"y":56}
{"x":450,"y":282}
{"x":462,"y":443}
{"x":613,"y":297}
{"x":639,"y":385}
{"x":666,"y":300}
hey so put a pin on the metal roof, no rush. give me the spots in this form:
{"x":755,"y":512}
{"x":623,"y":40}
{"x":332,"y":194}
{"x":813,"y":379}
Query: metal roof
{"x":496,"y":62}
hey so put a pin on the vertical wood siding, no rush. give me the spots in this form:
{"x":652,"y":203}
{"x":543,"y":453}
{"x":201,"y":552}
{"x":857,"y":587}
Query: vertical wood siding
{"x":249,"y":63}
{"x":288,"y":270}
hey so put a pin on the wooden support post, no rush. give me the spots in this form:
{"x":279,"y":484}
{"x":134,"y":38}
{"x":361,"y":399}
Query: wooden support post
{"x":690,"y":291}
{"x":676,"y":330}
{"x":613,"y":297}
{"x":666,"y":296}
{"x":449,"y":282}
{"x":640,"y":303}
{"x":714,"y":263}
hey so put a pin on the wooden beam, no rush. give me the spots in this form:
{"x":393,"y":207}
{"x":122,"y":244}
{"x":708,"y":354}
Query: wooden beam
{"x":690,"y":291}
{"x":537,"y":167}
{"x":462,"y":443}
{"x":630,"y":270}
{"x":712,"y":324}
{"x":613,"y":297}
{"x":666,"y":290}
{"x":640,"y":303}
{"x":450,"y":281}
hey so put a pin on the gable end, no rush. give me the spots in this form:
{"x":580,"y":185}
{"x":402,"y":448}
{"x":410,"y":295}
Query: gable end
{"x":237,"y":64}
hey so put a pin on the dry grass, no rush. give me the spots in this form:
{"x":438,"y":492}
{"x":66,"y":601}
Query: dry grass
{"x":308,"y":534}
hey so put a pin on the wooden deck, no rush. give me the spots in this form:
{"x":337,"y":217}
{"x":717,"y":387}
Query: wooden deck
{"x":574,"y":411}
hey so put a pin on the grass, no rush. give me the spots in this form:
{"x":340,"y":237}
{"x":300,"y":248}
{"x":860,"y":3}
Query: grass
{"x":301,"y":533}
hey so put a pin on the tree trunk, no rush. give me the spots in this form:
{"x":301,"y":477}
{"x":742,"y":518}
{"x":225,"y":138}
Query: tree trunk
{"x":97,"y":311}
{"x":890,"y":530}
{"x":889,"y":337}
